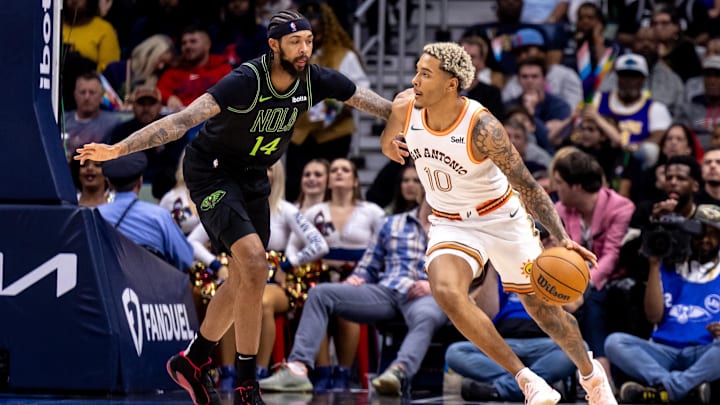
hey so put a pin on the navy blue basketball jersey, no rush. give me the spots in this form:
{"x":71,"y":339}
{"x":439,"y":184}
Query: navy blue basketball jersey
{"x":256,"y":121}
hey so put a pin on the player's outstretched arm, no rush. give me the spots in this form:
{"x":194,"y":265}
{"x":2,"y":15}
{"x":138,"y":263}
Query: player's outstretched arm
{"x":370,"y":102}
{"x":160,"y":132}
{"x":490,"y":140}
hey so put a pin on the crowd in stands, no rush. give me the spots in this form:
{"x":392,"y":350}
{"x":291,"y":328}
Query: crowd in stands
{"x":613,"y":105}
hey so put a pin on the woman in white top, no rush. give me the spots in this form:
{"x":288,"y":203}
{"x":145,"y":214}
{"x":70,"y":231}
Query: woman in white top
{"x":307,"y":245}
{"x":348,"y":224}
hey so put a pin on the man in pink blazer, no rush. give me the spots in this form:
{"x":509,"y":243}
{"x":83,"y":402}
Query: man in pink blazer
{"x":597,"y":218}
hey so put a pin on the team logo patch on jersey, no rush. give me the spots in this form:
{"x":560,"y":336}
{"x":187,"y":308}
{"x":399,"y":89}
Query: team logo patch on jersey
{"x":212,"y":200}
{"x":527,"y":269}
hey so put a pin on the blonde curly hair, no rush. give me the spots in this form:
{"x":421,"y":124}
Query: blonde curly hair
{"x":454,"y":60}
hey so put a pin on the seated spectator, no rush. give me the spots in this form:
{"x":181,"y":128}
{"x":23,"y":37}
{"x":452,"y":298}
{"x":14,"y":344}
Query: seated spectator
{"x":702,"y":113}
{"x":710,"y":191}
{"x":641,"y":119}
{"x":590,"y":29}
{"x":147,"y":62}
{"x":348,"y":225}
{"x":547,"y":109}
{"x":162,"y":160}
{"x":665,"y":85}
{"x":595,"y":135}
{"x":673,"y":48}
{"x":692,"y":18}
{"x":146,"y":224}
{"x":695,"y":86}
{"x":681,"y":359}
{"x":536,"y":158}
{"x":481,"y":89}
{"x":486,"y":66}
{"x":485,"y":380}
{"x":197,"y":70}
{"x":638,"y":183}
{"x":389,"y":281}
{"x":88,"y":34}
{"x":597,"y":218}
{"x":239,"y":36}
{"x":91,"y":185}
{"x":407,"y":190}
{"x":560,"y":80}
{"x":88,"y":123}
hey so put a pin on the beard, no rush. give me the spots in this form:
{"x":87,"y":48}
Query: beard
{"x":289,"y":67}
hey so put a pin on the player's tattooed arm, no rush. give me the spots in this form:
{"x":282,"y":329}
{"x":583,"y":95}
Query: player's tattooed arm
{"x":370,"y":102}
{"x":490,"y":140}
{"x":171,"y":127}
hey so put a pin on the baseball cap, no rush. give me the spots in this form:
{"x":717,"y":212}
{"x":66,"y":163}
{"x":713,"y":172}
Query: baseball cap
{"x":708,"y":214}
{"x":711,"y":62}
{"x":631,"y":62}
{"x":146,"y":92}
{"x":125,"y":168}
{"x":528,"y":37}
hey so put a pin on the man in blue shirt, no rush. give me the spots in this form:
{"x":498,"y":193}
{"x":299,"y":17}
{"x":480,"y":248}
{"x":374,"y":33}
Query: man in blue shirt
{"x":146,"y":224}
{"x":389,"y":279}
{"x":682,"y":356}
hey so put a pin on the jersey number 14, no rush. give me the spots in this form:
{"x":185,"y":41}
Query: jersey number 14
{"x":268,"y":148}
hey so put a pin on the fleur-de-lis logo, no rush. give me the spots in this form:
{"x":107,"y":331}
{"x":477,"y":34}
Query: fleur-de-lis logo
{"x":212,"y":200}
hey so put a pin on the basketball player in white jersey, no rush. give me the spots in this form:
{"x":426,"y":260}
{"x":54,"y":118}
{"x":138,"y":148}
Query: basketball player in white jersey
{"x":479,"y":188}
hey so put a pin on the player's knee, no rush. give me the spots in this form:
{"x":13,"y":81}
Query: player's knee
{"x":448,"y":297}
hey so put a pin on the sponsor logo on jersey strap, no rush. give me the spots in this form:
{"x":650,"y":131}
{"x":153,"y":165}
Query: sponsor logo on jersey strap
{"x":264,"y":99}
{"x":299,"y":99}
{"x":212,"y":200}
{"x":512,"y":214}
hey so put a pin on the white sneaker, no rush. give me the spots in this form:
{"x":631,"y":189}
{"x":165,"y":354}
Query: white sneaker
{"x":536,"y":390}
{"x":598,"y":387}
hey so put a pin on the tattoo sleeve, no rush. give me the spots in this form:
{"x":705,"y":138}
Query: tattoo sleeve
{"x":172,"y":127}
{"x":491,"y":140}
{"x":370,"y":102}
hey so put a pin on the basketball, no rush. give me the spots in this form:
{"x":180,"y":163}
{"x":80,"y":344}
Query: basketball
{"x":559,"y":275}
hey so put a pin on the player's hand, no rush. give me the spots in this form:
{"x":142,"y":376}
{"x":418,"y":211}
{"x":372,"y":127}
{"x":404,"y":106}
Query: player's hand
{"x":354,"y":280}
{"x":98,"y":152}
{"x":586,"y":254}
{"x":396,"y":150}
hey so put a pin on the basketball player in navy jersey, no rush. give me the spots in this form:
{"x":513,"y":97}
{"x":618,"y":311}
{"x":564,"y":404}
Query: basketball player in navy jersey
{"x":478,"y":187}
{"x":250,"y":115}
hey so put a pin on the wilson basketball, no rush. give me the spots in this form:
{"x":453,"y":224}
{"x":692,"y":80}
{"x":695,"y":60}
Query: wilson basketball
{"x":559,"y":275}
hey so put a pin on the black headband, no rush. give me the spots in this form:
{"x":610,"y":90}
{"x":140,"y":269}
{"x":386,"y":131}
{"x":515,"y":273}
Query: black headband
{"x":289,"y":27}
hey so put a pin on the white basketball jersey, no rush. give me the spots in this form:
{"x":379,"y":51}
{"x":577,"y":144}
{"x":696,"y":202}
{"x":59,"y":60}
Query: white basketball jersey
{"x":454,"y":181}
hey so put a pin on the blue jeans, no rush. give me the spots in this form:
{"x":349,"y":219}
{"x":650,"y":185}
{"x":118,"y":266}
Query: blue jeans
{"x":650,"y":363}
{"x":367,"y":303}
{"x":542,"y":355}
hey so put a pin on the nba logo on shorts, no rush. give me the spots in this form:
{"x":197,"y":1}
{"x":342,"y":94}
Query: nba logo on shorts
{"x":293,"y":27}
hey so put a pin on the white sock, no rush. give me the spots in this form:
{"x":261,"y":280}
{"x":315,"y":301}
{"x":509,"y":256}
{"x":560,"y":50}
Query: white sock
{"x":523,"y":371}
{"x":592,"y":373}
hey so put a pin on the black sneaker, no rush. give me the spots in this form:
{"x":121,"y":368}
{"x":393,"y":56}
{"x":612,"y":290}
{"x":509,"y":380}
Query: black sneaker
{"x":478,"y":391}
{"x":248,"y":395}
{"x":634,"y":393}
{"x":193,"y":379}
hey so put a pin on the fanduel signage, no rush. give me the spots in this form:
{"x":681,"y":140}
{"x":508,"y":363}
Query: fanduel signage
{"x":155,"y":322}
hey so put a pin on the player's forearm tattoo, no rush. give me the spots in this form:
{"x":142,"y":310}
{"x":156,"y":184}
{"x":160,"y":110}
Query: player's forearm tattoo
{"x":370,"y":102}
{"x":491,"y":140}
{"x":171,"y":127}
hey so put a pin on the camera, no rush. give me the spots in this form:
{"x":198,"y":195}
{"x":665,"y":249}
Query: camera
{"x":669,"y":237}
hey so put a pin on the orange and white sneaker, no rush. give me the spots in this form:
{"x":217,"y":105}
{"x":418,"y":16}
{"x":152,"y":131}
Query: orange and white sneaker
{"x":598,"y":387}
{"x":535,"y":389}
